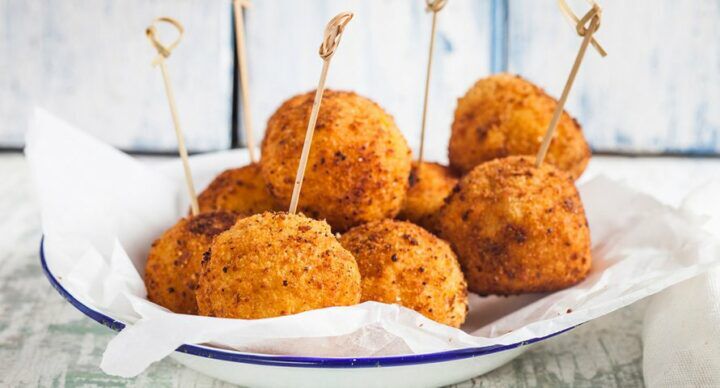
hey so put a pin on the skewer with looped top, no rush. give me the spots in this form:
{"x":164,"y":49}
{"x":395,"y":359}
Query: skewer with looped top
{"x":330,"y":42}
{"x":238,"y":6}
{"x":433,"y":6}
{"x":586,"y":31}
{"x":164,"y":52}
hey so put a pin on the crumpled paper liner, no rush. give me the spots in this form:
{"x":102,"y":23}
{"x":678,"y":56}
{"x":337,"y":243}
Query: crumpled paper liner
{"x":101,"y":210}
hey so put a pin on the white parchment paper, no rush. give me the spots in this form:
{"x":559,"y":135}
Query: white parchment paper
{"x":101,"y":209}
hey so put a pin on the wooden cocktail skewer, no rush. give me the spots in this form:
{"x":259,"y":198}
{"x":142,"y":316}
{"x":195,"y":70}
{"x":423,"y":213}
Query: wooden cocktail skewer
{"x":433,"y":6}
{"x":429,"y":183}
{"x":163,"y":53}
{"x":331,"y":40}
{"x":593,"y":16}
{"x":241,"y":189}
{"x":238,"y":6}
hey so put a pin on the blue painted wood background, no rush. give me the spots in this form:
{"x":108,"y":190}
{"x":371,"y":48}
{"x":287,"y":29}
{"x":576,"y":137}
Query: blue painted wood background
{"x":89,"y":62}
{"x":657,"y":91}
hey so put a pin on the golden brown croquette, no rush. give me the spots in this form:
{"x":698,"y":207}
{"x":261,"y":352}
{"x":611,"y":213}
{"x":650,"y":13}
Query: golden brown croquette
{"x":504,"y":115}
{"x":173,"y":264}
{"x":403,"y":263}
{"x":274,"y":264}
{"x":517,"y":228}
{"x":358,"y":165}
{"x":241,"y":190}
{"x":430,"y":184}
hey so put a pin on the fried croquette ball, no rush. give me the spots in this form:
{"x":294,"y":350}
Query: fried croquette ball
{"x":239,"y":190}
{"x":274,"y":264}
{"x":517,"y":228}
{"x":173,"y":264}
{"x":505,"y":115}
{"x":430,"y":184}
{"x":358,"y":165}
{"x":403,"y":263}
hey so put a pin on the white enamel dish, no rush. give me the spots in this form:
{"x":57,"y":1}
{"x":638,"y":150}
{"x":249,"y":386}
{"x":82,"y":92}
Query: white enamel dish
{"x":258,"y":370}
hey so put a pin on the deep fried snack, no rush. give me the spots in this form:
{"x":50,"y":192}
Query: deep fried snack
{"x":358,"y":165}
{"x":517,"y":228}
{"x":403,"y":263}
{"x":239,"y":190}
{"x":430,"y":184}
{"x":504,"y":115}
{"x":173,"y":264}
{"x":274,"y":264}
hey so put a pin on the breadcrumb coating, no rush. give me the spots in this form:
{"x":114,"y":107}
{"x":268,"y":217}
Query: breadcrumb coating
{"x":505,"y":115}
{"x":274,"y":264}
{"x":358,"y":165}
{"x":403,"y":263}
{"x":240,"y":190}
{"x":430,"y":184}
{"x":517,"y":228}
{"x":172,"y":268}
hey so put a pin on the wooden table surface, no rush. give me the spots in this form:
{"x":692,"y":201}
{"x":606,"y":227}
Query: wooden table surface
{"x":44,"y":341}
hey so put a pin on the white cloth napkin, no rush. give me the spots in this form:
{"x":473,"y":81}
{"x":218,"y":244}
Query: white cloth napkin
{"x":681,"y":334}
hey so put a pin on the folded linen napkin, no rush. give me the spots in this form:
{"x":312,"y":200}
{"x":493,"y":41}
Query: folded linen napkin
{"x":681,"y":333}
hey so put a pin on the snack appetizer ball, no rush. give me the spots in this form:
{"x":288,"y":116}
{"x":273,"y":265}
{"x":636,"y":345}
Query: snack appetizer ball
{"x":239,"y":190}
{"x":517,"y":228}
{"x":430,"y":184}
{"x":358,"y":165}
{"x":274,"y":264}
{"x":403,"y":263}
{"x":504,"y":115}
{"x":173,"y":264}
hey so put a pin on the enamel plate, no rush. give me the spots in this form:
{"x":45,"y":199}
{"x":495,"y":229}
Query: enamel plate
{"x":258,"y":370}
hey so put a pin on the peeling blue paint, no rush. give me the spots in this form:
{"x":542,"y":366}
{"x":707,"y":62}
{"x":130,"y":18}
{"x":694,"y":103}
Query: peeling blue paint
{"x":664,"y":97}
{"x":499,"y":44}
{"x":445,"y":43}
{"x":622,"y":139}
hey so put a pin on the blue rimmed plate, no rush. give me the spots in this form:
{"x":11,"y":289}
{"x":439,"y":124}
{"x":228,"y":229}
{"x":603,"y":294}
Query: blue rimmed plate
{"x":257,"y":370}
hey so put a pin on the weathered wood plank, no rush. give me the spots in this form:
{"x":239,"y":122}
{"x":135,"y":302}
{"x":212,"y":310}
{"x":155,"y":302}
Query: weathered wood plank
{"x":658,"y":89}
{"x":89,"y":62}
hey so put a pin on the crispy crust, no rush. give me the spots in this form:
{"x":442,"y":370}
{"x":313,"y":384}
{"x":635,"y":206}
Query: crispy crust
{"x":517,"y":228}
{"x":274,"y":264}
{"x":504,"y":115}
{"x":173,"y":264}
{"x":240,"y":190}
{"x":403,"y":263}
{"x":358,"y":166}
{"x":430,"y":184}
